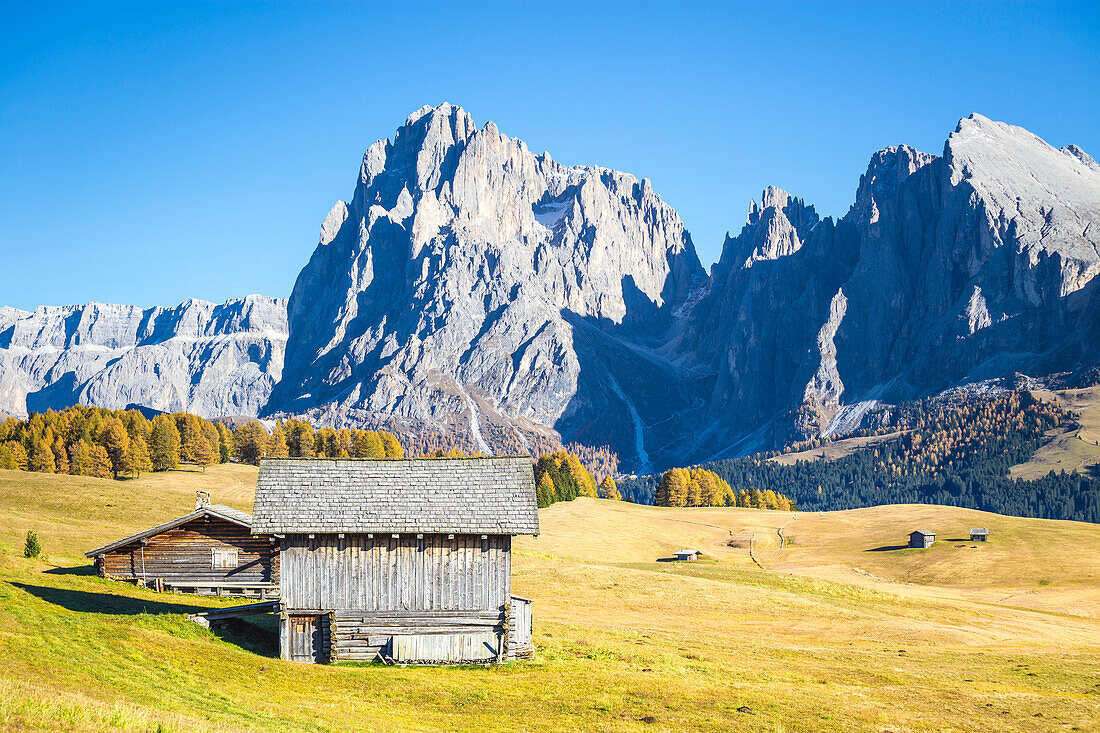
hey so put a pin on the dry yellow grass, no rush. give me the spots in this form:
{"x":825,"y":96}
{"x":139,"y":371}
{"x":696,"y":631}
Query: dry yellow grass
{"x":832,"y":636}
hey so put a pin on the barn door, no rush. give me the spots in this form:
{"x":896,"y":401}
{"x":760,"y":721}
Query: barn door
{"x":304,"y":637}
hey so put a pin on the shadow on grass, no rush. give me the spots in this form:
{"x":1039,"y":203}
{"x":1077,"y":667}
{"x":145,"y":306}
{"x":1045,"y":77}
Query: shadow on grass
{"x":888,"y":548}
{"x":258,"y":635}
{"x":78,"y":570}
{"x":88,"y":602}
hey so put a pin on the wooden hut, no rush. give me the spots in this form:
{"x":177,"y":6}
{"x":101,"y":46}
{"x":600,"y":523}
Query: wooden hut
{"x":922,"y":538}
{"x":402,"y":560}
{"x":211,"y":550}
{"x":687,"y":555}
{"x":980,"y":534}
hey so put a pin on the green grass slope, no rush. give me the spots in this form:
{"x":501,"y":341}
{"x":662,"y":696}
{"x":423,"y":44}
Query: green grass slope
{"x":834,"y":633}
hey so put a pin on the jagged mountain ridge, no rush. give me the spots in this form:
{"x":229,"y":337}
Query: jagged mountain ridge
{"x":199,"y":357}
{"x":947,"y":269}
{"x":471,"y":284}
{"x":472,"y":287}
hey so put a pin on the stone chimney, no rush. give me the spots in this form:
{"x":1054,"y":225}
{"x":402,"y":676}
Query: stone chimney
{"x":202,"y":498}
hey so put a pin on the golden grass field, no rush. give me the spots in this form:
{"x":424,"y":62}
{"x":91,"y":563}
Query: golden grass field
{"x":837,"y":631}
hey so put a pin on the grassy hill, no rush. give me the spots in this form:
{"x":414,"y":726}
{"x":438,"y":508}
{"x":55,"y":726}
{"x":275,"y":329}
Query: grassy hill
{"x":1068,"y":449}
{"x":838,"y":629}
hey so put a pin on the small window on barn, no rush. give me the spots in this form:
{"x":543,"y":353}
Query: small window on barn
{"x":225,"y":558}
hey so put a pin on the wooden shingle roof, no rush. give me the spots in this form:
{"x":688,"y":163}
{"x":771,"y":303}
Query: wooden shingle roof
{"x":213,"y":510}
{"x":423,"y":495}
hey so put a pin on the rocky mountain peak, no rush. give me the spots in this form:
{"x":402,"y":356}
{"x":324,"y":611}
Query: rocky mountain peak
{"x":460,"y":245}
{"x":775,"y":228}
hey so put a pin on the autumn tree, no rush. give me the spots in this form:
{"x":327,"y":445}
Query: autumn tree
{"x":368,"y":445}
{"x":608,"y":489}
{"x":60,"y":455}
{"x":251,"y":441}
{"x":299,"y":437}
{"x":41,"y":458}
{"x":18,"y":454}
{"x":139,"y":460}
{"x":391,"y":446}
{"x":276,"y":443}
{"x":673,"y":489}
{"x":545,"y":493}
{"x":164,"y":444}
{"x":203,"y":453}
{"x":117,"y":444}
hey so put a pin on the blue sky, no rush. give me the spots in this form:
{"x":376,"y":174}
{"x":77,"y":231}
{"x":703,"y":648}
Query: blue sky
{"x":152,"y":153}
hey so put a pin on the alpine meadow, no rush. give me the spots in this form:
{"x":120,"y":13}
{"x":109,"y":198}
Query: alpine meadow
{"x":769,"y":400}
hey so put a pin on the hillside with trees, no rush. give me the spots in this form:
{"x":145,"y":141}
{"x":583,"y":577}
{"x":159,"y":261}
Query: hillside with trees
{"x":955,"y":453}
{"x":92,"y":441}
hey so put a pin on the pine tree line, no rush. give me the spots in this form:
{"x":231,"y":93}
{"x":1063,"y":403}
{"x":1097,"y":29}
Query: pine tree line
{"x":961,"y":456}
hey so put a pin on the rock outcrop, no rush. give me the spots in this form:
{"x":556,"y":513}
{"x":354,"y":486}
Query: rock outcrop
{"x":209,"y":359}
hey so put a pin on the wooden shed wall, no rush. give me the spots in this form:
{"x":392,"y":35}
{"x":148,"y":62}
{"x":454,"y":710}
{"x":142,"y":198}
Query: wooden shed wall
{"x":386,"y":573}
{"x":183,"y":554}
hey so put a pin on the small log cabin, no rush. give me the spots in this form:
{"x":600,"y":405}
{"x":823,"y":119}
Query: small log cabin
{"x":687,"y":555}
{"x":399,"y":560}
{"x":211,"y":550}
{"x":922,"y":538}
{"x":979,"y":534}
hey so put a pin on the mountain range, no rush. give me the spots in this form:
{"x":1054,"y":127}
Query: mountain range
{"x":473,"y":288}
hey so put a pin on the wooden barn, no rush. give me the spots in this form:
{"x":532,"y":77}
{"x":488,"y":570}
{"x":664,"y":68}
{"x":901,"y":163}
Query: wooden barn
{"x":922,"y":538}
{"x":399,"y":560}
{"x":979,"y":534}
{"x":211,"y":550}
{"x":687,"y":555}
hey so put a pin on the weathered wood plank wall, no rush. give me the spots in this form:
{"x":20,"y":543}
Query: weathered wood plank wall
{"x":183,"y":554}
{"x":387,"y":573}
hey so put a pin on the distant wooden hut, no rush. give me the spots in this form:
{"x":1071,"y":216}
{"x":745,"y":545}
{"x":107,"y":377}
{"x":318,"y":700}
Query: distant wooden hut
{"x":403,"y":560}
{"x":980,"y":534}
{"x":210,"y":550}
{"x":687,"y":555}
{"x":922,"y":538}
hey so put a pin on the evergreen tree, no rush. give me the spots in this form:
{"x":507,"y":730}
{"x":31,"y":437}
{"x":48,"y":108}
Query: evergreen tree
{"x":164,"y":445}
{"x":32,"y":548}
{"x":582,"y":479}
